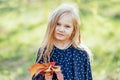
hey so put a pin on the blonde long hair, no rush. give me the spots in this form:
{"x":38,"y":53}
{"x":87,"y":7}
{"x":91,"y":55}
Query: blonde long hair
{"x":47,"y":43}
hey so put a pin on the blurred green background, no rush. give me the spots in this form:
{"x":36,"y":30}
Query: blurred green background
{"x":23,"y":24}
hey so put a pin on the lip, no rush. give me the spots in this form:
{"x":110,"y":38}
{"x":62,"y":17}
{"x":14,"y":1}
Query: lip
{"x":60,"y":34}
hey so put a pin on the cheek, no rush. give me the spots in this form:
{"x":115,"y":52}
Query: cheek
{"x":70,"y":32}
{"x":56,"y":29}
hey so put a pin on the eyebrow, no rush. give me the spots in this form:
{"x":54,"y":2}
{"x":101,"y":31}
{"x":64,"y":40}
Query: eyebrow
{"x":64,"y":24}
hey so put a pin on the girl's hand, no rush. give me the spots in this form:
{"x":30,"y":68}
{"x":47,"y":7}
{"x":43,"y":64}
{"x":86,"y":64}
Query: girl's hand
{"x":59,"y":75}
{"x":48,"y":77}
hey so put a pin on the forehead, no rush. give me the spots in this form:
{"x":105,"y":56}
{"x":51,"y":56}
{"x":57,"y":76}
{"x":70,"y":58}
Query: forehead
{"x":66,"y":15}
{"x":66,"y":18}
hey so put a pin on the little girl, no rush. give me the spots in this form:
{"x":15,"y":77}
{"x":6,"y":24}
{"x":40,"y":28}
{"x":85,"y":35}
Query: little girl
{"x":62,"y":44}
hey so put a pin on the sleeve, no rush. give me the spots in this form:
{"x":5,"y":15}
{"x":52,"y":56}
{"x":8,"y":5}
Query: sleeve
{"x":87,"y":67}
{"x":81,"y":65}
{"x":38,"y":77}
{"x":37,"y":57}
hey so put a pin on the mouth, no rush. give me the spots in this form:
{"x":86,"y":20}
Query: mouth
{"x":60,"y":34}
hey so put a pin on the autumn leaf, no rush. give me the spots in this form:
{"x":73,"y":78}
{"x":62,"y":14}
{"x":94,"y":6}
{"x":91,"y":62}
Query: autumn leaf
{"x":46,"y":69}
{"x":34,"y":68}
{"x":56,"y":68}
{"x":52,"y":63}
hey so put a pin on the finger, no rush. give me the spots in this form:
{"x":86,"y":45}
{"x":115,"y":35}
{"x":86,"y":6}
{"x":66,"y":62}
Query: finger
{"x":48,"y":78}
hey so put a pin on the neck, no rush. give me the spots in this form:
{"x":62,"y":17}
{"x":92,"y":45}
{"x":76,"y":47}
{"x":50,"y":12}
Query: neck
{"x":62,"y":44}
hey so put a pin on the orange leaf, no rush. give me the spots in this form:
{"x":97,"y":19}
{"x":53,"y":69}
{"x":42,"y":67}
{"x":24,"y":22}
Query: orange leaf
{"x":43,"y":69}
{"x":39,"y":71}
{"x":56,"y":68}
{"x":34,"y":68}
{"x":52,"y":63}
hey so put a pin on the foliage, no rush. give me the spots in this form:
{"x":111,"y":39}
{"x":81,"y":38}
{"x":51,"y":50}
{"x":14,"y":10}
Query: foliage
{"x":23,"y":24}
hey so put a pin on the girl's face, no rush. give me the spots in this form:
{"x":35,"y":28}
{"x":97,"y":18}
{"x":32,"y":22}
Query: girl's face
{"x":64,"y":28}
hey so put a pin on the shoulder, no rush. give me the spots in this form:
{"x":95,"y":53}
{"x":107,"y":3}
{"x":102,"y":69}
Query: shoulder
{"x":84,"y":51}
{"x":81,"y":52}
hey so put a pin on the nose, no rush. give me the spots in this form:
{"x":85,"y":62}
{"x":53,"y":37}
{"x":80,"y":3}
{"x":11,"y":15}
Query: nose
{"x":61,"y":28}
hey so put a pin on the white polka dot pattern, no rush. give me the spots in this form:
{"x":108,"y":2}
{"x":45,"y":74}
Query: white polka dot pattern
{"x":74,"y":63}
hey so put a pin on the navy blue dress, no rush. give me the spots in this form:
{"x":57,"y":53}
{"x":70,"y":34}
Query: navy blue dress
{"x":75,"y":64}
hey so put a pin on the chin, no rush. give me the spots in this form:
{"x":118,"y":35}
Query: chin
{"x":60,"y":38}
